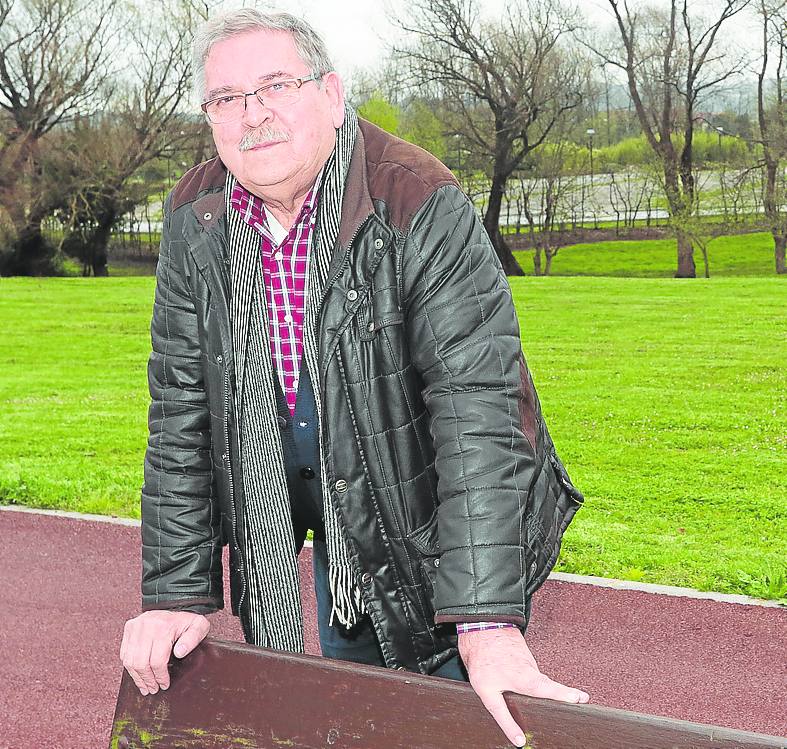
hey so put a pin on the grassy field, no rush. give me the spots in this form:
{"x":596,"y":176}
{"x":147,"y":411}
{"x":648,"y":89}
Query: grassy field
{"x":666,"y":400}
{"x":737,"y":255}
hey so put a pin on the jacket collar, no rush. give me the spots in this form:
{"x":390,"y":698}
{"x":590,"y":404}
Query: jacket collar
{"x":357,"y":202}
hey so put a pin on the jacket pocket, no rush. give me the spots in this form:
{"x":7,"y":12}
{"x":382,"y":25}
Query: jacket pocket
{"x":553,"y":504}
{"x":425,"y":542}
{"x":373,"y":316}
{"x":565,"y":481}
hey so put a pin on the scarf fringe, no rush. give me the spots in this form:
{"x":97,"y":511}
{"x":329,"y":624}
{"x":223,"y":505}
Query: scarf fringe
{"x":348,"y":605}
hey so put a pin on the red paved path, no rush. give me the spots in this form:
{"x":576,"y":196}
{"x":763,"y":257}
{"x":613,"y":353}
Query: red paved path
{"x":68,"y":586}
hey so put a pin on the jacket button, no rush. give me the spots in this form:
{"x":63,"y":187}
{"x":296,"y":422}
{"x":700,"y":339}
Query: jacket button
{"x":366,"y":578}
{"x":224,"y":457}
{"x":307,"y":472}
{"x":436,"y":562}
{"x":370,"y":327}
{"x":378,"y":244}
{"x":341,"y":486}
{"x":219,"y":358}
{"x":207,"y":216}
{"x":352,"y":295}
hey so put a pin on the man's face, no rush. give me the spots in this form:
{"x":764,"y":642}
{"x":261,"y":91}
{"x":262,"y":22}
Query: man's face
{"x":289,"y":143}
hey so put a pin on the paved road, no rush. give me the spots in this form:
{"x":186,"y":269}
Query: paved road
{"x":68,"y":586}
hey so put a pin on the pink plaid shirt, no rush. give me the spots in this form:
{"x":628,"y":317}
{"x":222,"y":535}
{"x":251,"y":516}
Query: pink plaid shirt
{"x":284,"y":275}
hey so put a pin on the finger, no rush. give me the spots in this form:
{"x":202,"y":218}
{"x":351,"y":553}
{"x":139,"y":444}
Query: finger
{"x":126,"y":648}
{"x":159,"y":661}
{"x":138,"y":681}
{"x":140,"y":661}
{"x":192,"y":636}
{"x":125,"y":643}
{"x":496,"y":705}
{"x":554,"y":690}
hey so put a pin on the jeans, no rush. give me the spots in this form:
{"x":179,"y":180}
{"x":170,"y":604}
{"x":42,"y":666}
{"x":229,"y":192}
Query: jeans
{"x":359,"y":644}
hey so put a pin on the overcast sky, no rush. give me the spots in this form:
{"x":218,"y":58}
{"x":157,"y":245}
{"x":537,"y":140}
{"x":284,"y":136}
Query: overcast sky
{"x":357,"y":31}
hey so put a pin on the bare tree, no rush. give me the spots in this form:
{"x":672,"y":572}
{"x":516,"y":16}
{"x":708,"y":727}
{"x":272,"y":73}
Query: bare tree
{"x":145,"y":115}
{"x":53,"y":62}
{"x":543,"y":200}
{"x":671,"y":60}
{"x":771,"y":117}
{"x":629,"y":191}
{"x":505,"y":84}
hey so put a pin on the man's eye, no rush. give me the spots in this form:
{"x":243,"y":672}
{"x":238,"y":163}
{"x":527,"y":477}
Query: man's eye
{"x":280,"y":87}
{"x":226,"y":100}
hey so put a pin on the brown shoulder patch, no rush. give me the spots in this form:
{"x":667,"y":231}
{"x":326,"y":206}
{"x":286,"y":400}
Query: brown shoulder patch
{"x":211,"y":173}
{"x":400,"y":174}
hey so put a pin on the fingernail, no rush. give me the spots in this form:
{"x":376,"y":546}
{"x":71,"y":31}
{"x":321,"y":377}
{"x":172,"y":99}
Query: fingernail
{"x":520,"y":740}
{"x":165,"y":686}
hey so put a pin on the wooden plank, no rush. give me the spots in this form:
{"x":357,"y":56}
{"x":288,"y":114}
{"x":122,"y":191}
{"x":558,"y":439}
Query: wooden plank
{"x":227,"y":695}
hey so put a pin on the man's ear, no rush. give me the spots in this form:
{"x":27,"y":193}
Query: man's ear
{"x":334,"y":88}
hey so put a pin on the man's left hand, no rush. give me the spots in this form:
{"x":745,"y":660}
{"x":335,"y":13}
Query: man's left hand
{"x":499,"y":660}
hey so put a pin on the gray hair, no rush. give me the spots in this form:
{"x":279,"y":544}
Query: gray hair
{"x":309,"y":44}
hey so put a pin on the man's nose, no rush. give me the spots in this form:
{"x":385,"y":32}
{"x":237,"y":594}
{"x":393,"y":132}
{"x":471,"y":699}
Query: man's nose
{"x":256,"y":112}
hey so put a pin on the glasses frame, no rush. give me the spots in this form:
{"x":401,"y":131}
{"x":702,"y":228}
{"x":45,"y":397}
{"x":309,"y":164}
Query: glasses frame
{"x":313,"y":76}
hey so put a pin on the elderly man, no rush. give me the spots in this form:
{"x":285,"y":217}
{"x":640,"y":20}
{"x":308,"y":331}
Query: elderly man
{"x":335,"y":348}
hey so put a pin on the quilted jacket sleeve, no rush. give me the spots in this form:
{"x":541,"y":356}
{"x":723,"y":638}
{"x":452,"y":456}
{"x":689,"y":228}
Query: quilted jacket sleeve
{"x":181,"y":540}
{"x":464,"y":340}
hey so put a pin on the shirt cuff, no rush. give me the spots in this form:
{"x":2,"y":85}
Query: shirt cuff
{"x":462,"y":628}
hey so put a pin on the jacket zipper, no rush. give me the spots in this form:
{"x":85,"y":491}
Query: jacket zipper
{"x":241,"y":562}
{"x":337,"y":275}
{"x":335,"y":503}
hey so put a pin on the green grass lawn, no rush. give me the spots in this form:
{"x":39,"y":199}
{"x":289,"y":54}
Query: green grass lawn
{"x":666,"y":400}
{"x":736,"y":255}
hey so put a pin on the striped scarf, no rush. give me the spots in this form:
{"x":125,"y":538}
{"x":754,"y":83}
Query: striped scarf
{"x":276,"y":618}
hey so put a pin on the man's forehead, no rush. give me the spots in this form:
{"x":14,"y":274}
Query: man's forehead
{"x":256,"y":56}
{"x":259,"y":45}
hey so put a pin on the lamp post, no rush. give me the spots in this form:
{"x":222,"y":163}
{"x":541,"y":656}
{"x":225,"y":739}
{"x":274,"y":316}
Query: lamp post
{"x":590,"y":132}
{"x":720,"y":131}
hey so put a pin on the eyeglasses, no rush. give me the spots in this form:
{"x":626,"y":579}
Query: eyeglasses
{"x":231,"y":107}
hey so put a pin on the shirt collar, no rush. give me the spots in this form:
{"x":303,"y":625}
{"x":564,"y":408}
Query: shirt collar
{"x":256,"y":208}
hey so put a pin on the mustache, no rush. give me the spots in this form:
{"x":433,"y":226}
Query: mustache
{"x":259,"y":135}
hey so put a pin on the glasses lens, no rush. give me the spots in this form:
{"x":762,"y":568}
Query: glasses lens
{"x":280,"y":92}
{"x":225,"y":109}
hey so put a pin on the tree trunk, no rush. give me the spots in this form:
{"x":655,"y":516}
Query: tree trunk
{"x":772,"y":211}
{"x":100,"y":265}
{"x":30,"y":255}
{"x":679,"y":208}
{"x":204,"y":141}
{"x":90,"y":245}
{"x":100,"y":244}
{"x":492,"y":226}
{"x":549,"y":255}
{"x":686,"y":267}
{"x":780,"y":243}
{"x":536,"y":260}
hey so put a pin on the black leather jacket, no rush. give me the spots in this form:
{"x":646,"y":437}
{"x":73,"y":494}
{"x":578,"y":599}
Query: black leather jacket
{"x":452,"y":498}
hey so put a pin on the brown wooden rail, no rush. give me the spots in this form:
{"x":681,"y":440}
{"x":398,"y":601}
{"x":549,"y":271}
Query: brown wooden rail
{"x":231,"y":696}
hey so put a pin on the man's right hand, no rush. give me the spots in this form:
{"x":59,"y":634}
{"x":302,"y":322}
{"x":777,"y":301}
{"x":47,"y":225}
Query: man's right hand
{"x":148,"y":640}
